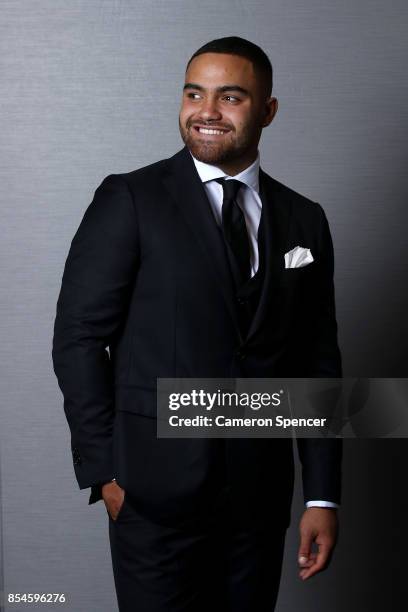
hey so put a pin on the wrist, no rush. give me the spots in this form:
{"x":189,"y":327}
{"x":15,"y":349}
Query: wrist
{"x":107,"y":482}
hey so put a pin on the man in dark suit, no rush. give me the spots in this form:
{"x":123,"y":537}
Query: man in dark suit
{"x":178,"y":268}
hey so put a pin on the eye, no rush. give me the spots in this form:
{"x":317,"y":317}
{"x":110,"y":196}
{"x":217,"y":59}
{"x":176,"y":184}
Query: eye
{"x":232,"y":99}
{"x":193,"y":95}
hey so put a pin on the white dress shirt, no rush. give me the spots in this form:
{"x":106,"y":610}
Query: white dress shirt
{"x":247,"y":198}
{"x":249,"y":201}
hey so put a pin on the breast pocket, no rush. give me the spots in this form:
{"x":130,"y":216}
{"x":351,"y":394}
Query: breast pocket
{"x":293,"y":276}
{"x":294,"y":286}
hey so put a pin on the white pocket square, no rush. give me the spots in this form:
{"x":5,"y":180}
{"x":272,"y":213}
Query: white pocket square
{"x":298,"y":257}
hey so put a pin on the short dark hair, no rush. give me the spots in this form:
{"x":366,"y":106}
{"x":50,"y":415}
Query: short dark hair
{"x":234,"y":45}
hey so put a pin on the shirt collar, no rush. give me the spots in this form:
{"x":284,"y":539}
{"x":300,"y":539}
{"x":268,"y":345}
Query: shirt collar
{"x":249,"y":176}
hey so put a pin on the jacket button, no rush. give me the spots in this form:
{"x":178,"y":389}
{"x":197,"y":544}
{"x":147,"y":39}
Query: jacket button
{"x":241,"y":301}
{"x":76,"y":456}
{"x":240,"y":354}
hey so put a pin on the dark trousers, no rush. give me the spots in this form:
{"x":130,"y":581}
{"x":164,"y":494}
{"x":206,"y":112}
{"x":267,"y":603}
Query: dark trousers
{"x":216,"y":564}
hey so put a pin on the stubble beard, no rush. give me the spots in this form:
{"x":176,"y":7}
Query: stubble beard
{"x":211,"y":152}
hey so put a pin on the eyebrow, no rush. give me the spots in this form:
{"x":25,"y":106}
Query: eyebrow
{"x":221,"y":89}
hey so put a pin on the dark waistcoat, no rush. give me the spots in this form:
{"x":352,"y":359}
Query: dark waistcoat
{"x":248,"y":293}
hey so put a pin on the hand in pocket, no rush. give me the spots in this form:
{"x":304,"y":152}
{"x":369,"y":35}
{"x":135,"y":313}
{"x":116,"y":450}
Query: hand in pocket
{"x":114,"y":497}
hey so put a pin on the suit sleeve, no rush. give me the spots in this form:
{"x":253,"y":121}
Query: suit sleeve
{"x":91,"y":310}
{"x":321,"y":458}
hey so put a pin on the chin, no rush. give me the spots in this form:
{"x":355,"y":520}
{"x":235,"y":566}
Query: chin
{"x":208,"y":154}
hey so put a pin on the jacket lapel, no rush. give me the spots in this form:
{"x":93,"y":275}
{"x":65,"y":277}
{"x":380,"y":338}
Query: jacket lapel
{"x":188,"y":192}
{"x":276,"y":213}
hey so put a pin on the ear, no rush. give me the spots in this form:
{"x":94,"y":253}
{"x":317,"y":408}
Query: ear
{"x":271,"y":108}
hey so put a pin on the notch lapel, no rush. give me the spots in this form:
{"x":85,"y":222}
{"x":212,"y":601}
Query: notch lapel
{"x":276,"y":212}
{"x":187,"y":190}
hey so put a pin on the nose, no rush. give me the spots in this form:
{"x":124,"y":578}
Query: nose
{"x":209,"y":110}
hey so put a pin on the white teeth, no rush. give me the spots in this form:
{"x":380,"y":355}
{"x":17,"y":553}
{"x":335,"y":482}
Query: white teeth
{"x":207,"y":131}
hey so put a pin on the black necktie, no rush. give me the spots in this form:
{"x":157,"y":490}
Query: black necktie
{"x":234,"y":227}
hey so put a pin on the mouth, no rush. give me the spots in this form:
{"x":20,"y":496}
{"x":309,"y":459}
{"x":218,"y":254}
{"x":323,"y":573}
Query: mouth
{"x":213,"y":131}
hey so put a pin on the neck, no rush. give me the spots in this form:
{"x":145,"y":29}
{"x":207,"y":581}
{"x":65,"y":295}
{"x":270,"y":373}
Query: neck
{"x":236,"y":166}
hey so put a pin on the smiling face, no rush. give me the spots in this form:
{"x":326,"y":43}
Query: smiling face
{"x":224,"y":108}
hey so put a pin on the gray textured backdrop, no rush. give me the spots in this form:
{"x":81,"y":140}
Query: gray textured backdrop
{"x":92,"y":87}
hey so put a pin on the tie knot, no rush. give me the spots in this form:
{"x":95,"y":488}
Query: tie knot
{"x":230,"y":187}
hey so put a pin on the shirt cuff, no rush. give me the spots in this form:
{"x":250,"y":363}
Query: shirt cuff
{"x":321,"y":504}
{"x":96,"y":491}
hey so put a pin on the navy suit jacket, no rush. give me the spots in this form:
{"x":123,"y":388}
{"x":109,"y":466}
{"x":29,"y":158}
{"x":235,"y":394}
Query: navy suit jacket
{"x":147,"y":277}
